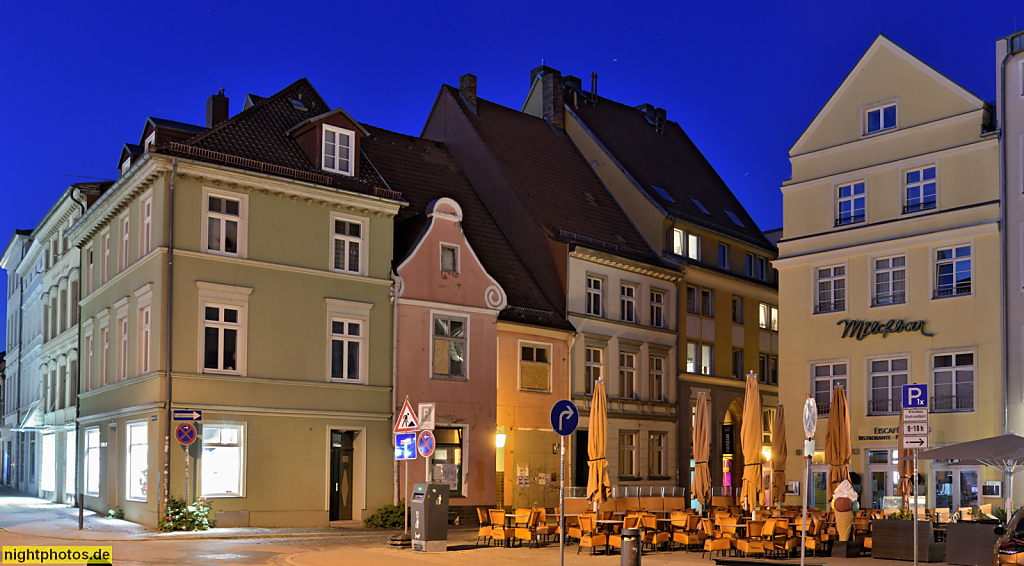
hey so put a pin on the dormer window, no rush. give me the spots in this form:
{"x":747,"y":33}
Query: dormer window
{"x":126,"y":165}
{"x":337,"y":150}
{"x":880,"y":117}
{"x":150,"y":141}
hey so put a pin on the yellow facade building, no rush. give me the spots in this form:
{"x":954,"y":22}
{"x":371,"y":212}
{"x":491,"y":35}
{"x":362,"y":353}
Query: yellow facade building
{"x":889,"y":272}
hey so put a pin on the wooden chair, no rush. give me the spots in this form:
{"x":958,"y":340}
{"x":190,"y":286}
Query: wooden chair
{"x":588,"y":537}
{"x":544,"y":530}
{"x":528,"y":530}
{"x":485,"y":527}
{"x":652,"y":535}
{"x":498,"y":530}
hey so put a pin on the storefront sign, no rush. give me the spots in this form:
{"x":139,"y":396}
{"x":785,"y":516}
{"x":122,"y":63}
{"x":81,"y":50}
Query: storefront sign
{"x":871,"y":433}
{"x":727,"y":439}
{"x":861,"y":329}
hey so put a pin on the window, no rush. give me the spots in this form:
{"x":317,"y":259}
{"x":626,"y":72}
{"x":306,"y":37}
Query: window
{"x":88,"y":270}
{"x":346,"y":350}
{"x":224,"y":228}
{"x":723,"y":256}
{"x":593,"y":371}
{"x":887,"y":380}
{"x":658,"y":309}
{"x":146,"y":241}
{"x":692,"y":299}
{"x":595,"y":295}
{"x":122,"y":348}
{"x":953,"y":271}
{"x":105,"y":266}
{"x":831,"y":289}
{"x":826,"y":378}
{"x":627,"y":453}
{"x":700,"y":301}
{"x":880,"y":117}
{"x":123,"y":255}
{"x":446,"y":464}
{"x":768,"y":369}
{"x":750,"y":265}
{"x":91,"y":461}
{"x":627,"y":302}
{"x":138,"y":461}
{"x":737,"y":363}
{"x":627,"y":375}
{"x":890,"y":280}
{"x":348,"y":240}
{"x":762,"y":272}
{"x":851,"y":203}
{"x":449,"y":347}
{"x":105,"y":355}
{"x":657,"y":385}
{"x":767,"y":420}
{"x":450,"y":259}
{"x":88,"y":362}
{"x":768,"y":316}
{"x":735,"y":219}
{"x":953,"y":376}
{"x":337,"y":150}
{"x":534,"y":367}
{"x":222,"y":326}
{"x":920,"y":187}
{"x":144,"y":339}
{"x":737,"y":309}
{"x":47,"y":476}
{"x":656,"y":454}
{"x":223,"y":462}
{"x":678,"y":242}
{"x":126,"y":165}
{"x":693,"y":247}
{"x":699,"y":358}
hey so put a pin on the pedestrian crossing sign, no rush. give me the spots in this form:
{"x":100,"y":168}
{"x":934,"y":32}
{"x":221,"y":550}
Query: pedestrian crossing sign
{"x":406,"y":421}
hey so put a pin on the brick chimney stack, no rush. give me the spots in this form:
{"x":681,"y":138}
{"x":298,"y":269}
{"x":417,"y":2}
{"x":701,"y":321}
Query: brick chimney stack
{"x":216,"y":109}
{"x":552,"y":84}
{"x":467,"y":87}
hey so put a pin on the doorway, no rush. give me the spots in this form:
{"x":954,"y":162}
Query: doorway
{"x":956,"y":487}
{"x":112,"y":467}
{"x":581,"y":459}
{"x":340,"y":490}
{"x":885,"y":477}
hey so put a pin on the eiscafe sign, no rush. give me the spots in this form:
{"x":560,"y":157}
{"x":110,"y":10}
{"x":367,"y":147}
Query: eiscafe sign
{"x":861,"y":329}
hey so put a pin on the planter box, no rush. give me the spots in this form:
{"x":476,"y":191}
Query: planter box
{"x":894,"y":540}
{"x":970,"y":543}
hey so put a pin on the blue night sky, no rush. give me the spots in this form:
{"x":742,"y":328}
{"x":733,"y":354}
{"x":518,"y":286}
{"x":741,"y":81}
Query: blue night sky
{"x":743,"y":79}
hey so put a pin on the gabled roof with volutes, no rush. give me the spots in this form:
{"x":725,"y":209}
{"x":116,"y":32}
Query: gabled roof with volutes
{"x":423,"y":170}
{"x":667,"y":166}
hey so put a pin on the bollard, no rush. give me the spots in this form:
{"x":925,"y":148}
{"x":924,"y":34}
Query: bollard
{"x":631,"y":547}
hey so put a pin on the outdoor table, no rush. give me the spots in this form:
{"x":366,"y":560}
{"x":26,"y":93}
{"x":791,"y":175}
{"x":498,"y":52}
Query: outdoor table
{"x":509,"y":516}
{"x":609,"y":524}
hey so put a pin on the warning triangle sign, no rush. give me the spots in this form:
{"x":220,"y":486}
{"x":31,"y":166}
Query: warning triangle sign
{"x":406,"y":421}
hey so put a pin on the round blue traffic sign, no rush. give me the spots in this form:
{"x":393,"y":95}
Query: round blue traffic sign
{"x":186,"y":433}
{"x":564,"y":417}
{"x":425,"y":443}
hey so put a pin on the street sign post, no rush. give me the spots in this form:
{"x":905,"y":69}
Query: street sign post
{"x":915,"y":442}
{"x":810,"y":422}
{"x":915,"y":415}
{"x":406,"y":426}
{"x":915,"y":396}
{"x":425,"y":445}
{"x":186,"y":433}
{"x":405,"y":446}
{"x":426,"y":415}
{"x":406,"y":421}
{"x":810,"y":417}
{"x":914,"y":431}
{"x":186,"y":415}
{"x":565,"y":417}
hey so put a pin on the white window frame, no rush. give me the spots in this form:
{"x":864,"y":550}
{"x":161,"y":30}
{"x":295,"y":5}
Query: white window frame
{"x":105,"y":356}
{"x":346,"y":240}
{"x":534,"y":347}
{"x":920,"y":184}
{"x":125,"y":223}
{"x":146,"y":233}
{"x":122,"y":347}
{"x":656,"y":371}
{"x":679,"y":242}
{"x":954,"y":370}
{"x":627,"y":302}
{"x":132,"y":443}
{"x":658,"y":297}
{"x":892,"y":404}
{"x":126,"y":165}
{"x":851,"y":216}
{"x":595,"y":296}
{"x":348,"y":311}
{"x":833,"y":379}
{"x":347,"y":339}
{"x":880,"y":108}
{"x":834,"y":297}
{"x":700,"y":357}
{"x":145,"y":338}
{"x":105,"y":262}
{"x":723,"y":255}
{"x":89,"y":266}
{"x":204,"y":470}
{"x":223,"y":296}
{"x":594,"y":368}
{"x":627,"y":375}
{"x":628,"y":453}
{"x":656,"y":453}
{"x":693,"y":246}
{"x":464,"y":340}
{"x":955,"y":260}
{"x":350,"y":157}
{"x":453,"y":251}
{"x":242,"y":220}
{"x":883,"y":292}
{"x":91,"y":461}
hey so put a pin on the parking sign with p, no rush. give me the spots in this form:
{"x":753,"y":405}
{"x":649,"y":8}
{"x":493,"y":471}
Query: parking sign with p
{"x":915,"y":396}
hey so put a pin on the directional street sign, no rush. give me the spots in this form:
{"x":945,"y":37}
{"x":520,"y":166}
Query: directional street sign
{"x":406,"y":421}
{"x":915,"y":396}
{"x":810,"y":417}
{"x":915,"y":415}
{"x":405,"y":446}
{"x":564,"y":417}
{"x":186,"y":415}
{"x":915,"y":429}
{"x":425,"y":443}
{"x":186,"y":433}
{"x":915,"y":442}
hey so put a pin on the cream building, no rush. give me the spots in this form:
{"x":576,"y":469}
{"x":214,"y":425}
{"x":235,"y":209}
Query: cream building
{"x":890,"y":271}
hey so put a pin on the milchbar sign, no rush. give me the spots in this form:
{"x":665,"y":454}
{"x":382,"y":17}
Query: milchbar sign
{"x":861,"y":329}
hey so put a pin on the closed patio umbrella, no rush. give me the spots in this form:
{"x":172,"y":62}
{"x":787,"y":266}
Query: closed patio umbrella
{"x":701,"y":452}
{"x":837,"y":441}
{"x":906,"y":469}
{"x":751,"y":439}
{"x":598,"y":485}
{"x":779,"y":457}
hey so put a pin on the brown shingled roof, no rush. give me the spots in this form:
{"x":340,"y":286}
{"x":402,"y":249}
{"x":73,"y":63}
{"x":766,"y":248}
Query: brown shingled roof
{"x":423,"y":170}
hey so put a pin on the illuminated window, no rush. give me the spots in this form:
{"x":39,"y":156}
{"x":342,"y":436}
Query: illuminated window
{"x":138,"y":462}
{"x":223,"y":461}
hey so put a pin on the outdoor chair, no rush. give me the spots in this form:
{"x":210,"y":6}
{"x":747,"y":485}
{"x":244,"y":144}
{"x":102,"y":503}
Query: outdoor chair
{"x":629,"y":522}
{"x":485,"y":526}
{"x":544,"y":530}
{"x":499,"y":533}
{"x":651,"y":534}
{"x":713,"y":542}
{"x":815,"y":537}
{"x":689,"y":533}
{"x":753,"y":543}
{"x":588,"y":537}
{"x":575,"y":527}
{"x":528,"y":531}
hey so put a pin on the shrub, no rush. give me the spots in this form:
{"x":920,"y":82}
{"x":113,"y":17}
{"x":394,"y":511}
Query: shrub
{"x":903,"y":514}
{"x":183,"y":517}
{"x":387,"y":517}
{"x":115,"y":513}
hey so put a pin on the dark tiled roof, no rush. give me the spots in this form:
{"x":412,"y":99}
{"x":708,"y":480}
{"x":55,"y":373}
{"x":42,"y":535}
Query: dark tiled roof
{"x":175,"y":125}
{"x":258,"y":133}
{"x":669,"y":160}
{"x":423,"y":171}
{"x":554,"y":182}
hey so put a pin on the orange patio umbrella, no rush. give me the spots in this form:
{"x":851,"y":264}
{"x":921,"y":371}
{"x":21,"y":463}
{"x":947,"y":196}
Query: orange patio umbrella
{"x":751,"y":440}
{"x":906,"y":469}
{"x":779,"y":457}
{"x":701,"y":451}
{"x":598,"y":484}
{"x":837,"y":441}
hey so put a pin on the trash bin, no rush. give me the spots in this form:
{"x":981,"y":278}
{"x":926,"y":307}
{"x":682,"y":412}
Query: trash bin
{"x":631,"y":547}
{"x":429,"y":508}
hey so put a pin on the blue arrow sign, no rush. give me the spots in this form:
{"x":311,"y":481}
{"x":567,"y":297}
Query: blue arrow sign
{"x":564,"y":417}
{"x":186,"y":415}
{"x":405,"y":446}
{"x":915,"y":396}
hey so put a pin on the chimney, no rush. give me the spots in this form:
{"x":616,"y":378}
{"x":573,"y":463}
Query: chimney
{"x":216,"y":109}
{"x":467,"y":88}
{"x":551,"y":82}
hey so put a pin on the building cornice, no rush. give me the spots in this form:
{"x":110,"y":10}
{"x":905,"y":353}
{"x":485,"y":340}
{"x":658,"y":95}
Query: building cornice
{"x":617,"y":262}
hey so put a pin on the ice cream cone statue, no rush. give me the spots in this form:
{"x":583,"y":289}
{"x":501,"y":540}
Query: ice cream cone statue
{"x":842,"y":504}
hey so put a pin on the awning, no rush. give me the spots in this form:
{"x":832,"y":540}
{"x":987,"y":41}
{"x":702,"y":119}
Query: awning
{"x":33,"y":419}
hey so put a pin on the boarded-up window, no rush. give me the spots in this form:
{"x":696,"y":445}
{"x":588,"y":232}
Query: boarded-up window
{"x":535,"y":367}
{"x":449,"y":347}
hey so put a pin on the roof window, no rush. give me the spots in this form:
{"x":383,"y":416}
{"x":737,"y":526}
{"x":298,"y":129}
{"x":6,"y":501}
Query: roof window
{"x":298,"y":105}
{"x":700,"y":206}
{"x":664,"y":194}
{"x":734,"y":219}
